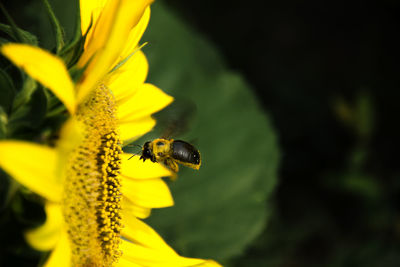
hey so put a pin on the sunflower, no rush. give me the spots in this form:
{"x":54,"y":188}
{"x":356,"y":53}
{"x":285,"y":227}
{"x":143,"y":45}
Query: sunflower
{"x":94,"y":198}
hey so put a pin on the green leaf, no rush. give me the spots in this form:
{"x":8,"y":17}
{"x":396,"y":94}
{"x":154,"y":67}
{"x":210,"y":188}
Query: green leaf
{"x":220,"y":209}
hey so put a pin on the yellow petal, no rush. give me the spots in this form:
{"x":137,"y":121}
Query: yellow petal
{"x":126,"y":263}
{"x":45,"y":237}
{"x":71,"y":135}
{"x":143,"y":246}
{"x":147,"y":100}
{"x":135,"y":35}
{"x":96,"y":41}
{"x":131,"y":130}
{"x":107,"y":41}
{"x":61,"y":255}
{"x":34,"y":166}
{"x":90,"y":11}
{"x":209,"y":263}
{"x":137,"y":169}
{"x":127,"y":79}
{"x":144,"y":256}
{"x":44,"y":67}
{"x":129,"y":208}
{"x":149,"y":193}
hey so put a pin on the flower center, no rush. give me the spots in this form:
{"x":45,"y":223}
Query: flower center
{"x":92,"y":197}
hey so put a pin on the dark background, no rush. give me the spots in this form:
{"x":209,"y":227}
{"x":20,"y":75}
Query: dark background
{"x":337,"y":202}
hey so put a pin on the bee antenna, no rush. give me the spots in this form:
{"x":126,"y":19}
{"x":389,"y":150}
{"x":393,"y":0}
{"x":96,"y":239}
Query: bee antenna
{"x":134,"y":154}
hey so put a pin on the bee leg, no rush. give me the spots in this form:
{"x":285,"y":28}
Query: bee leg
{"x":173,"y":166}
{"x":173,"y":177}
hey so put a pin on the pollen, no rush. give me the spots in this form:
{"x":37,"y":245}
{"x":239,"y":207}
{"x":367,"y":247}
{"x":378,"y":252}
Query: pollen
{"x":92,"y":196}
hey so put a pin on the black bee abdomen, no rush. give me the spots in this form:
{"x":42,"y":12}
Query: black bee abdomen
{"x":185,"y":152}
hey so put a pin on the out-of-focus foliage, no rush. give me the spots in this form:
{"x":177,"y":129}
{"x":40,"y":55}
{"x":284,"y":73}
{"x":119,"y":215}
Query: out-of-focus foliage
{"x":222,"y":208}
{"x":328,"y":74}
{"x":27,"y":112}
{"x":360,"y":229}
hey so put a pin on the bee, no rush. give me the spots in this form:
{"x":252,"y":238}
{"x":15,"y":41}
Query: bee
{"x":170,"y":152}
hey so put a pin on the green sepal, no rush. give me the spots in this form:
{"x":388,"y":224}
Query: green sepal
{"x":58,"y":30}
{"x":18,"y":35}
{"x":7,"y":91}
{"x":73,"y":51}
{"x":76,"y":73}
{"x":122,"y":62}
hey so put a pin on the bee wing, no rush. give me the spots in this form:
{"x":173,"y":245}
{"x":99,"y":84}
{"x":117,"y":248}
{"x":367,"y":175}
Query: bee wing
{"x":175,"y":119}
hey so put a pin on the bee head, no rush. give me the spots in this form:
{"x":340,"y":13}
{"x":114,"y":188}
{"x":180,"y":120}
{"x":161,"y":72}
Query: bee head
{"x":146,"y":152}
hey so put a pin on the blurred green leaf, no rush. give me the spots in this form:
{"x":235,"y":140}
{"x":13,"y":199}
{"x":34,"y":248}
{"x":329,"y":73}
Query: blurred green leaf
{"x":365,"y":114}
{"x":363,"y":185}
{"x":29,"y":116}
{"x":58,"y":30}
{"x":357,"y":183}
{"x":220,"y":209}
{"x":18,"y":34}
{"x":358,"y":116}
{"x":7,"y":91}
{"x":73,"y":49}
{"x":3,"y":41}
{"x":25,"y":94}
{"x":3,"y":123}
